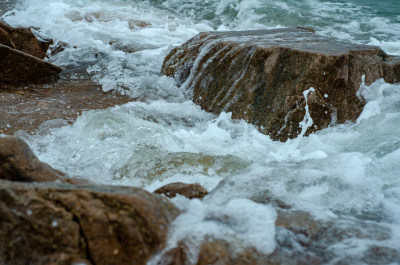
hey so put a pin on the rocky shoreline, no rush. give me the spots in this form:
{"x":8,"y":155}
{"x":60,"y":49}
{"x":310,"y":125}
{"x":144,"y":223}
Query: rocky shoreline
{"x":48,"y":217}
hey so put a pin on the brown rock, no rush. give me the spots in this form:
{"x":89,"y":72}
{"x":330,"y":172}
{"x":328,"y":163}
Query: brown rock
{"x":220,"y":252}
{"x":19,"y":69}
{"x":214,"y":253}
{"x":58,"y":224}
{"x":138,"y":24}
{"x":25,"y":41}
{"x":59,"y":47}
{"x":260,"y":76}
{"x":19,"y":163}
{"x":31,"y":109}
{"x":306,"y":28}
{"x":176,"y":256}
{"x":300,"y":222}
{"x":188,"y":190}
{"x":5,"y":39}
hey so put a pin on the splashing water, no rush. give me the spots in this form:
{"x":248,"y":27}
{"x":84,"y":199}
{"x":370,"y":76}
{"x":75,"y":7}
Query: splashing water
{"x":345,"y":177}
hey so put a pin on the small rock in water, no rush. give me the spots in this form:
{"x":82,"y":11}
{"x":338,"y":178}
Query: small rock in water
{"x":188,"y":190}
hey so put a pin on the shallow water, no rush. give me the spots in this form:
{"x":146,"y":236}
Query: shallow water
{"x":345,"y":177}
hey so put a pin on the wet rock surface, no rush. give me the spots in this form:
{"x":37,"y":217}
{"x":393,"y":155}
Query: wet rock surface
{"x":28,"y":108}
{"x":21,"y":55}
{"x":260,"y":76}
{"x":19,"y":69}
{"x":188,"y":190}
{"x":19,"y":163}
{"x":62,"y":224}
{"x":25,"y":41}
{"x":5,"y":38}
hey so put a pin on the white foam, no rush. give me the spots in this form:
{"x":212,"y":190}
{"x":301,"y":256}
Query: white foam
{"x":241,"y":222}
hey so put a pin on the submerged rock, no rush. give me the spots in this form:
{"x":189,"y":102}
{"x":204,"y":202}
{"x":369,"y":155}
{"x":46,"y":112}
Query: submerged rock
{"x":300,"y":239}
{"x":188,"y":190}
{"x":220,"y":252}
{"x":260,"y":76}
{"x":25,"y":41}
{"x":62,"y":224}
{"x":19,"y":69}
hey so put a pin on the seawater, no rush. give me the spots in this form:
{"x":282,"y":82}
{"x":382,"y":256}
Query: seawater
{"x":345,"y":176}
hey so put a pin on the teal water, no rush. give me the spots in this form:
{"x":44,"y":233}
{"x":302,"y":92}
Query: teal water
{"x":355,"y":20}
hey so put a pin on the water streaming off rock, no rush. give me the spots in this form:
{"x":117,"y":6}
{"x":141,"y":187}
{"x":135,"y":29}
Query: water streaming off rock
{"x":344,"y":179}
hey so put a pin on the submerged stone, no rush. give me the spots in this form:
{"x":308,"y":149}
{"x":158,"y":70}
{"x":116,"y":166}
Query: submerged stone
{"x":188,"y":190}
{"x":300,"y":239}
{"x":260,"y":76}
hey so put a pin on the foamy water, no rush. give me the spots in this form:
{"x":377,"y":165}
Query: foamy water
{"x":345,"y":176}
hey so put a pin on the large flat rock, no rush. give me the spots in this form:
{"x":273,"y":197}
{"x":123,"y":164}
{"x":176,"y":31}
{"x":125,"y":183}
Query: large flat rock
{"x":19,"y":69}
{"x":31,"y":108}
{"x":260,"y":76}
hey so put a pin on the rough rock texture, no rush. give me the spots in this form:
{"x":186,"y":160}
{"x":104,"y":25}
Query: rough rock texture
{"x":39,"y":108}
{"x":18,"y":69}
{"x":19,"y":163}
{"x":260,"y":76}
{"x":188,"y":190}
{"x":25,"y":41}
{"x":5,"y":38}
{"x":92,"y":225}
